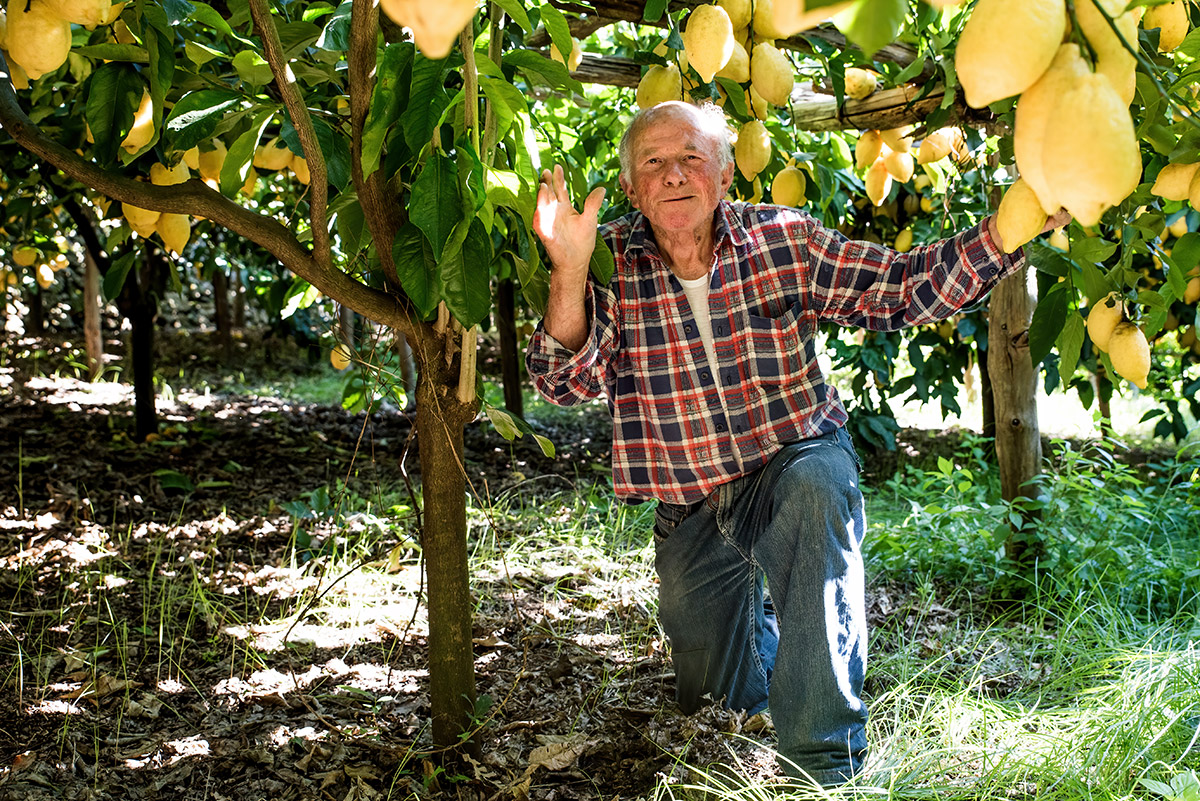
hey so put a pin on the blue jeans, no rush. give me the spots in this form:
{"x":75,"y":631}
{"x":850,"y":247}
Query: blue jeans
{"x":798,"y":520}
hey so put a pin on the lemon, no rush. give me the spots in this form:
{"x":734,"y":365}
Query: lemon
{"x":737,"y":68}
{"x":1179,"y":227}
{"x":659,"y":85}
{"x":1033,"y":113}
{"x":1020,"y":217}
{"x":867,"y":149}
{"x":19,"y":80}
{"x":788,"y":187}
{"x":791,"y":16}
{"x":753,"y":149}
{"x":899,"y":165}
{"x":1006,"y":46}
{"x":708,"y":40}
{"x":934,"y":147}
{"x":175,"y":230}
{"x":1090,"y":158}
{"x":927,"y":205}
{"x":340,"y":357}
{"x":143,"y":125}
{"x":45,"y":276}
{"x":1171,"y":20}
{"x":738,"y":12}
{"x":1103,"y":318}
{"x":764,"y":21}
{"x":435,"y":26}
{"x":757,"y":103}
{"x":899,"y":139}
{"x":192,"y":158}
{"x":272,"y":156}
{"x":771,"y":74}
{"x":1130,"y":353}
{"x":573,"y":60}
{"x":1112,"y":59}
{"x":140,"y":220}
{"x":1173,"y":181}
{"x":250,"y":184}
{"x":299,"y":166}
{"x":38,"y":39}
{"x":211,"y":161}
{"x":904,"y":241}
{"x":1191,"y":292}
{"x":25,"y":256}
{"x":878,"y":182}
{"x":89,"y":13}
{"x":162,"y":175}
{"x":860,"y":83}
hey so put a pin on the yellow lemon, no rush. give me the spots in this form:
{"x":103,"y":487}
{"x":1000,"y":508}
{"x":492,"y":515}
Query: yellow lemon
{"x":899,"y":165}
{"x":88,"y":13}
{"x":272,"y":156}
{"x":140,"y":220}
{"x":771,"y":74}
{"x":1103,"y":318}
{"x":867,"y":149}
{"x":899,"y":139}
{"x":753,"y":149}
{"x":1112,"y":58}
{"x":1130,"y":353}
{"x":708,"y":40}
{"x":878,"y":182}
{"x":45,"y":276}
{"x":1191,"y":292}
{"x":904,"y":241}
{"x":300,"y":168}
{"x":737,"y":68}
{"x":1090,"y":159}
{"x":788,"y":187}
{"x":38,"y":39}
{"x":860,"y":83}
{"x":25,"y":256}
{"x":738,"y":12}
{"x":175,"y":231}
{"x":211,"y":161}
{"x":1173,"y":181}
{"x":659,"y":85}
{"x":192,"y":158}
{"x":1006,"y":46}
{"x":143,"y":125}
{"x":934,"y":147}
{"x":1020,"y":217}
{"x":1171,"y":20}
{"x":1033,"y":114}
{"x":764,"y":21}
{"x":340,"y":357}
{"x":162,"y":175}
{"x":435,"y":26}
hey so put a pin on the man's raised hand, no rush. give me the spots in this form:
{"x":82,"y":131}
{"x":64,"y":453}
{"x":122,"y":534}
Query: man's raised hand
{"x":568,"y":235}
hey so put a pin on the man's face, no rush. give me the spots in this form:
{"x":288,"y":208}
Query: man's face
{"x":676,"y":176}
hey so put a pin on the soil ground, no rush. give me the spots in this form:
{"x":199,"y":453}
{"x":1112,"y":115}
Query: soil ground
{"x":135,"y":578}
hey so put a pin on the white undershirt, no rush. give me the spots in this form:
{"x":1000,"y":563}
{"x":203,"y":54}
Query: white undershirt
{"x":696,"y":290}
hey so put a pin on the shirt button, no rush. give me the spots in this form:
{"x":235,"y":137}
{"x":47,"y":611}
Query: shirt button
{"x":704,"y":376}
{"x":720,"y":426}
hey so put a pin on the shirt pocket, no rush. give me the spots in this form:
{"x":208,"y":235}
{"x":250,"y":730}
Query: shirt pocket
{"x":779,"y":347}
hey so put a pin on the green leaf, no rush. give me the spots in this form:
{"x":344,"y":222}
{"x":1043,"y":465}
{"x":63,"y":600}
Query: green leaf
{"x":389,"y":96}
{"x":159,"y":38}
{"x":736,"y":95}
{"x":466,"y":276}
{"x":206,"y":15}
{"x":1048,"y":320}
{"x":252,"y":68}
{"x":196,"y":116}
{"x":548,"y":71}
{"x":177,"y":10}
{"x":237,"y":161}
{"x":435,"y":206}
{"x":506,"y":99}
{"x":427,"y":99}
{"x":1095,"y":285}
{"x":114,"y":279}
{"x":336,"y":36}
{"x":557,"y":27}
{"x":174,"y":480}
{"x":654,"y":10}
{"x":515,"y":10}
{"x":351,"y":223}
{"x":871,"y":24}
{"x":1185,"y":255}
{"x":1093,"y":249}
{"x":296,"y":37}
{"x":512,"y":426}
{"x":199,"y":54}
{"x":111,"y":51}
{"x":113,"y":93}
{"x":334,"y":147}
{"x":300,"y":295}
{"x":416,"y":268}
{"x":602,"y":263}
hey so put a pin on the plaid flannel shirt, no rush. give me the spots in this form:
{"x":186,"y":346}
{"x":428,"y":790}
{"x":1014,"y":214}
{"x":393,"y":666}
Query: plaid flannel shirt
{"x":777,"y":275}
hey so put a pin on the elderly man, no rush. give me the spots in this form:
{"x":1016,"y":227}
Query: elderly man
{"x":703,"y":343}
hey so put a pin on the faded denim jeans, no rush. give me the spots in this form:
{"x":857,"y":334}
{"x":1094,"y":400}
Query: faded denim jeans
{"x":798,"y":521}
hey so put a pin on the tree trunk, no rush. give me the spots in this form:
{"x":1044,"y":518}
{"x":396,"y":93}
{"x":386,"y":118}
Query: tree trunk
{"x":986,"y":398}
{"x":92,"y":335}
{"x":36,"y":321}
{"x":1104,"y":391}
{"x":440,"y":421}
{"x":239,"y":301}
{"x":141,"y":320}
{"x":510,"y":356}
{"x":222,"y":314}
{"x":1014,"y":385}
{"x":346,"y":325}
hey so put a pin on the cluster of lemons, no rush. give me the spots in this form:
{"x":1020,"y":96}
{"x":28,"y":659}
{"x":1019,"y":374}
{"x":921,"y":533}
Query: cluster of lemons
{"x":888,"y":155}
{"x":27,"y":256}
{"x":36,"y":34}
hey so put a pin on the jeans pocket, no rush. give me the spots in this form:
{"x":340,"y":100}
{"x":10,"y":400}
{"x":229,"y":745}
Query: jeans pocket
{"x":666,"y":519}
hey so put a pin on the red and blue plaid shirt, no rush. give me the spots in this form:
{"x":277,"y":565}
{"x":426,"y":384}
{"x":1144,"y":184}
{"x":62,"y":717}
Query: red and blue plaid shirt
{"x":777,"y":276}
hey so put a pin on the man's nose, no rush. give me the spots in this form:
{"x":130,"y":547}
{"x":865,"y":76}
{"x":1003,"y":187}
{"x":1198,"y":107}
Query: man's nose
{"x":674,"y":173}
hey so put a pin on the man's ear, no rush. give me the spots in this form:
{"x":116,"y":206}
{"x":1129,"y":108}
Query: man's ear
{"x":627,"y":188}
{"x":727,"y":178}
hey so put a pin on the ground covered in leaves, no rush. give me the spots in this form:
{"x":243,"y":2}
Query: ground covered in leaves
{"x":232,"y":609}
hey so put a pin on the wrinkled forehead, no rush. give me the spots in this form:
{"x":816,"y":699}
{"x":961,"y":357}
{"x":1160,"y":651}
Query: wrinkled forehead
{"x":674,"y":127}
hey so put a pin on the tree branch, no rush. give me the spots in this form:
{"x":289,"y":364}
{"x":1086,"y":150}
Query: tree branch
{"x":195,"y":198}
{"x":318,"y":199}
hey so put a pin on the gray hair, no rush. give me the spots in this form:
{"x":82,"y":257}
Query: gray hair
{"x":710,"y":119}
